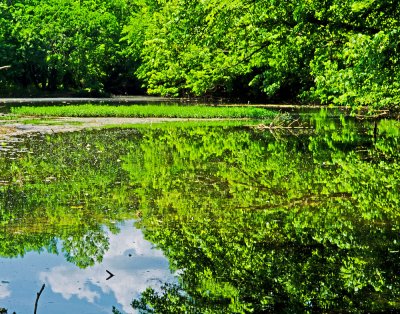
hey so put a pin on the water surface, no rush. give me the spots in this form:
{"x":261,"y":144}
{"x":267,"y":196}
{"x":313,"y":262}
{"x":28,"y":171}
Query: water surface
{"x":248,"y":219}
{"x":71,"y":289}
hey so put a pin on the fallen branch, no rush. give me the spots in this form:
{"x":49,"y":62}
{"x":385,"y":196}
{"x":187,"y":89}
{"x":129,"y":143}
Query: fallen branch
{"x":37,"y":298}
{"x":379,"y":114}
{"x":272,"y":127}
{"x":5,"y":67}
{"x":284,"y":121}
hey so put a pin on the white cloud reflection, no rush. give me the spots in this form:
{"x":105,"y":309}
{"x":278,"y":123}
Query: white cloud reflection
{"x":67,"y":282}
{"x":133,"y":261}
{"x":4,"y":291}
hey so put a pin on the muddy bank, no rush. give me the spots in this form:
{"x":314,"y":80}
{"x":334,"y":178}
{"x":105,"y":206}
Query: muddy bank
{"x":22,"y":126}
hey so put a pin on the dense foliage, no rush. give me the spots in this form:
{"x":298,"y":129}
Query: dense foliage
{"x":65,"y":44}
{"x":322,"y":51}
{"x":325,"y":51}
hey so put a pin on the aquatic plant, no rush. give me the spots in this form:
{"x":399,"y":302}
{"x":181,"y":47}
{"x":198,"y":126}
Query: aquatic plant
{"x":172,"y":111}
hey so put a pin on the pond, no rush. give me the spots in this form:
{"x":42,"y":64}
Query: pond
{"x":197,"y":217}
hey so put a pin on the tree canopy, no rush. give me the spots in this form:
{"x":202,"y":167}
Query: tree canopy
{"x":65,"y":44}
{"x":324,"y":51}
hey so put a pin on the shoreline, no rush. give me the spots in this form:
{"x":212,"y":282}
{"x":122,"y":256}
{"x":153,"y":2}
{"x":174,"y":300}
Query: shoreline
{"x":68,"y":100}
{"x":12,"y":128}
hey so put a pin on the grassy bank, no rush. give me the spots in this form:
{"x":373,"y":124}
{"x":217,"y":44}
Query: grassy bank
{"x":144,"y":111}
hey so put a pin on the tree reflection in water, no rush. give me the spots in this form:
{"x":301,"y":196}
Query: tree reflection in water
{"x":272,"y":223}
{"x":252,"y":220}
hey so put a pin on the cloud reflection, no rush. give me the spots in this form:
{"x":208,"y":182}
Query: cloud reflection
{"x":4,"y":291}
{"x":133,"y":261}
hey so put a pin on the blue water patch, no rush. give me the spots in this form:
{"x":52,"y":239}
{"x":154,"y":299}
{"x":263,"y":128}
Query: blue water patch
{"x":132,"y":260}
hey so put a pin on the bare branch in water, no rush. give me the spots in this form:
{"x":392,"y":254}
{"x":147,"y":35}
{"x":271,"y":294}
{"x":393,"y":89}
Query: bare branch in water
{"x":37,"y":298}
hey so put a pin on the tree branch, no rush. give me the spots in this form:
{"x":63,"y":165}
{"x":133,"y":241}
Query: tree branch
{"x":37,"y":298}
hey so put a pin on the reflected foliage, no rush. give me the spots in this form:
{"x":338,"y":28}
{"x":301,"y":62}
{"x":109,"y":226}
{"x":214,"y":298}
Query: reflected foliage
{"x":251,"y":220}
{"x":64,"y":187}
{"x":265,"y":222}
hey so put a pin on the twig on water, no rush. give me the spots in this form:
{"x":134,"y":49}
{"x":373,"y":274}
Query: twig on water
{"x":37,"y":298}
{"x":283,"y":122}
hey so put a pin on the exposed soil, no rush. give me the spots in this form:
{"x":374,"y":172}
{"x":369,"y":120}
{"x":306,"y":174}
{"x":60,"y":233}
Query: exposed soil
{"x":13,"y":128}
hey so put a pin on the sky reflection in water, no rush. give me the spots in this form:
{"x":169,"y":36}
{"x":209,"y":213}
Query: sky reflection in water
{"x":69,"y":289}
{"x":256,"y":221}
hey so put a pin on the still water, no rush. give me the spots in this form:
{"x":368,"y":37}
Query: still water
{"x":70,"y":289}
{"x":194,"y":218}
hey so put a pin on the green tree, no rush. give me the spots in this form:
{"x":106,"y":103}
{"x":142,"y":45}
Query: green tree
{"x":69,"y":44}
{"x":323,"y":51}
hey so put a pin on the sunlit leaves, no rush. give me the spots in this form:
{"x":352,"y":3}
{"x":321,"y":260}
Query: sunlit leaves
{"x":326,"y":51}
